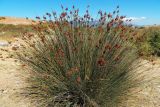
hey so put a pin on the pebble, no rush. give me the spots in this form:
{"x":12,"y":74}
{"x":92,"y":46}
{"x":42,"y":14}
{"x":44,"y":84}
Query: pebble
{"x":4,"y":43}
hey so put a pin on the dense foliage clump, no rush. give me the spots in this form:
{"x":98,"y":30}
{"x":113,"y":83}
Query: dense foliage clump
{"x":80,"y":61}
{"x":155,"y":42}
{"x":149,"y":41}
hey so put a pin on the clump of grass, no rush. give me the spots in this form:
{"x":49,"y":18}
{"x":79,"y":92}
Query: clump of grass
{"x":80,"y":61}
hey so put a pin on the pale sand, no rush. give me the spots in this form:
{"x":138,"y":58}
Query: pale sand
{"x":11,"y":82}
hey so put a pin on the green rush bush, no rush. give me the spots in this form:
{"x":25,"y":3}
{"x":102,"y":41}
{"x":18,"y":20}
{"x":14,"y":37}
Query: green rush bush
{"x":155,"y":42}
{"x":143,"y":44}
{"x":149,"y":41}
{"x":79,"y":61}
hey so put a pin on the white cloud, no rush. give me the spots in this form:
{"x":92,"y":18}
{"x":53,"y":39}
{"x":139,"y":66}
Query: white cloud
{"x":135,"y":19}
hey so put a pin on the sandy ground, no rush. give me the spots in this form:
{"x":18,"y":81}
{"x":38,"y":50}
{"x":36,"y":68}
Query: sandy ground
{"x":148,"y":96}
{"x":12,"y":80}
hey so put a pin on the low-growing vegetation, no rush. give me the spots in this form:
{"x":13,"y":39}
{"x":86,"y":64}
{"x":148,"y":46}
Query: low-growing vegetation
{"x":2,"y":18}
{"x":8,"y":31}
{"x":155,"y":42}
{"x":149,"y":41}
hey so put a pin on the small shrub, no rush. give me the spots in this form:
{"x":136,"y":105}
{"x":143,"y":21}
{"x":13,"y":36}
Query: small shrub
{"x":143,"y":44}
{"x":80,"y":61}
{"x":149,"y":39}
{"x":155,"y":42}
{"x":2,"y":18}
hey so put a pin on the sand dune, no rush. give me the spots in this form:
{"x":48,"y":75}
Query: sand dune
{"x":15,"y":21}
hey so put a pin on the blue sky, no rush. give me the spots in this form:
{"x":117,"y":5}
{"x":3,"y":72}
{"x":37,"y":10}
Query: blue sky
{"x":143,"y":12}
